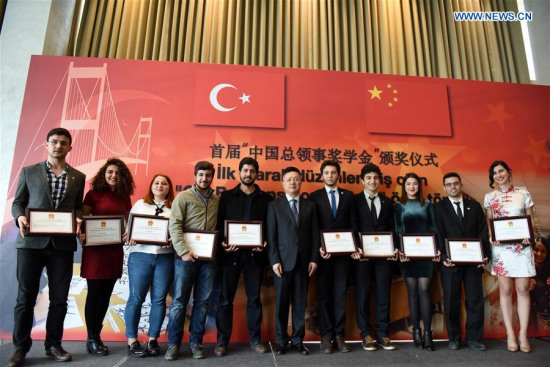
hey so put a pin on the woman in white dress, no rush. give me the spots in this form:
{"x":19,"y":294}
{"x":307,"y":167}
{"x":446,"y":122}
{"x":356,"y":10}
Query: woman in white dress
{"x":512,"y":264}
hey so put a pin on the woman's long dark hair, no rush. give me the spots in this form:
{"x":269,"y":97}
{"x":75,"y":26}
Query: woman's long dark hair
{"x":125,"y":185}
{"x":419,"y":195}
{"x":493,"y":165}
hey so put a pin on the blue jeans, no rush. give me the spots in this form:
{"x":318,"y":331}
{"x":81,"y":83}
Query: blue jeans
{"x":148,"y":270}
{"x":199,"y":276}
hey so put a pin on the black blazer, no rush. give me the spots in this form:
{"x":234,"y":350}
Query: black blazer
{"x":345,"y":214}
{"x":232,"y":207}
{"x":285,"y":238}
{"x":33,"y":191}
{"x":448,"y":225}
{"x":365,"y":223}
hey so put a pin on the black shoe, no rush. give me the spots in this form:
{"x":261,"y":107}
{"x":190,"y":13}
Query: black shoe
{"x":417,"y":338}
{"x":17,"y":357}
{"x":454,"y":345}
{"x":326,"y":345}
{"x":341,"y":344}
{"x":301,"y":349}
{"x":198,"y":351}
{"x":153,"y":348}
{"x":58,"y":353}
{"x":386,"y":343}
{"x":368,"y":343}
{"x":476,"y":345}
{"x":136,"y":350}
{"x":280,"y":349}
{"x":95,"y":346}
{"x":428,"y":341}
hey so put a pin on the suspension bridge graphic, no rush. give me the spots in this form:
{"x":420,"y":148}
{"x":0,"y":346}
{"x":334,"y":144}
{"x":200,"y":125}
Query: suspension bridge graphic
{"x":90,"y":115}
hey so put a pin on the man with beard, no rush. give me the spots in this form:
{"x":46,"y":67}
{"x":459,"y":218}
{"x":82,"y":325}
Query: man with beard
{"x":193,"y":209}
{"x":336,"y":210}
{"x":245,"y":202}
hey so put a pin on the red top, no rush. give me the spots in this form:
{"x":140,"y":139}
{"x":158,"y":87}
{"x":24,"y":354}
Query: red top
{"x":104,"y":262}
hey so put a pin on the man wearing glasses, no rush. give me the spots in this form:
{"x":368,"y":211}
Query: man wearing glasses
{"x":459,"y":216}
{"x":52,"y":184}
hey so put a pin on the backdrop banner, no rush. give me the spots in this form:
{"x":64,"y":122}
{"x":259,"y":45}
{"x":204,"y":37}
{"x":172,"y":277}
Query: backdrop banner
{"x":166,"y":116}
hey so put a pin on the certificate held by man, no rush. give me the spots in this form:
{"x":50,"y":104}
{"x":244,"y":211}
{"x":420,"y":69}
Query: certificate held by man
{"x":50,"y":222}
{"x":202,"y":243}
{"x":377,"y":244}
{"x":465,"y":251}
{"x":244,"y":234}
{"x":338,"y":242}
{"x":148,"y":229}
{"x":103,"y":230}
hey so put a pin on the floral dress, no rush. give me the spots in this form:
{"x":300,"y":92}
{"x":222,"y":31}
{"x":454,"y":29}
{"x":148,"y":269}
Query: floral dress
{"x":512,"y":259}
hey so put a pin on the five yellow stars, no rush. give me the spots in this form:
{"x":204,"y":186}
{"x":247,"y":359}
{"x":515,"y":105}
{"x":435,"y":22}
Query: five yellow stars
{"x":376,"y":93}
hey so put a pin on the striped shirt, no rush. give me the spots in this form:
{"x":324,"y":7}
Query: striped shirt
{"x":57,"y":184}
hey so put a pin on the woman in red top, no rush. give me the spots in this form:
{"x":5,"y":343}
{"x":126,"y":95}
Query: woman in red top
{"x":110,"y":193}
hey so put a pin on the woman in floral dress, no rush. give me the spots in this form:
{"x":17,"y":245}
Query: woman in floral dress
{"x":512,"y":264}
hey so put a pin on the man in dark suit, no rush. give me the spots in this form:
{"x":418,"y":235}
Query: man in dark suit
{"x":374,"y":214}
{"x":244,"y":202}
{"x":52,"y":184}
{"x":293,"y":249}
{"x":336,"y":210}
{"x":459,"y":216}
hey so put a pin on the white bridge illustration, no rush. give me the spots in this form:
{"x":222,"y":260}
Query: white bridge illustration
{"x":90,"y":115}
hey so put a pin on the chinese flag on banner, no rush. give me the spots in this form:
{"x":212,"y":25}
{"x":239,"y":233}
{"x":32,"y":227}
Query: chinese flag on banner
{"x":233,"y":98}
{"x":407,"y":107}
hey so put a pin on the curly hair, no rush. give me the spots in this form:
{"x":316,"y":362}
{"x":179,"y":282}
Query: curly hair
{"x":419,"y":195}
{"x":125,"y":185}
{"x":148,"y":199}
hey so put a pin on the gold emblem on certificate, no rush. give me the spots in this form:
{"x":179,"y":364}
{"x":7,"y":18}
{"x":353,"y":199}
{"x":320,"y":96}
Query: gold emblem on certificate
{"x":465,"y":251}
{"x":245,"y":234}
{"x":103,"y":230}
{"x":377,"y":244}
{"x":338,"y":242}
{"x":418,"y":245}
{"x":50,"y":222}
{"x":202,"y":243}
{"x":512,"y":229}
{"x":148,"y":229}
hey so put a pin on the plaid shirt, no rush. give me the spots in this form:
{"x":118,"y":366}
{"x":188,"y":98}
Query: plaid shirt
{"x":57,"y":184}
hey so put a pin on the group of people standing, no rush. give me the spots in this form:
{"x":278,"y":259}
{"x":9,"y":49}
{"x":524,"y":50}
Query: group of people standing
{"x":291,"y":227}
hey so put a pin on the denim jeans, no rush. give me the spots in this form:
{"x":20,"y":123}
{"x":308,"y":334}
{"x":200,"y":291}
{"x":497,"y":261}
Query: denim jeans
{"x":199,"y":277}
{"x":144,"y":271}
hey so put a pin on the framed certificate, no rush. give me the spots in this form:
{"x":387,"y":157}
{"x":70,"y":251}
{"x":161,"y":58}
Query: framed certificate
{"x":103,"y":230}
{"x":245,"y":234}
{"x":377,"y":244}
{"x":203,"y":243}
{"x":148,"y":229}
{"x":338,"y":242}
{"x":50,"y":222}
{"x":418,"y":245}
{"x":464,"y":251}
{"x":512,"y":229}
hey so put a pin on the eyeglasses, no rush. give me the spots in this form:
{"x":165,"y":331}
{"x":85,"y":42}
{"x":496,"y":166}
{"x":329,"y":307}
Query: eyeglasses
{"x":63,"y":143}
{"x":451,"y":184}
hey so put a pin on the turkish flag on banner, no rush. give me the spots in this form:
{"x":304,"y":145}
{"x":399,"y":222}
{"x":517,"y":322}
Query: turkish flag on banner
{"x":407,"y":107}
{"x":232,"y":98}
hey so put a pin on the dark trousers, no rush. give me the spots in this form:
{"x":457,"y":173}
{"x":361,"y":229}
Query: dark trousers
{"x":232,"y":266}
{"x":377,"y":273}
{"x":97,"y":303}
{"x":451,"y":282}
{"x":291,"y":288}
{"x":332,"y":276}
{"x":59,"y":268}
